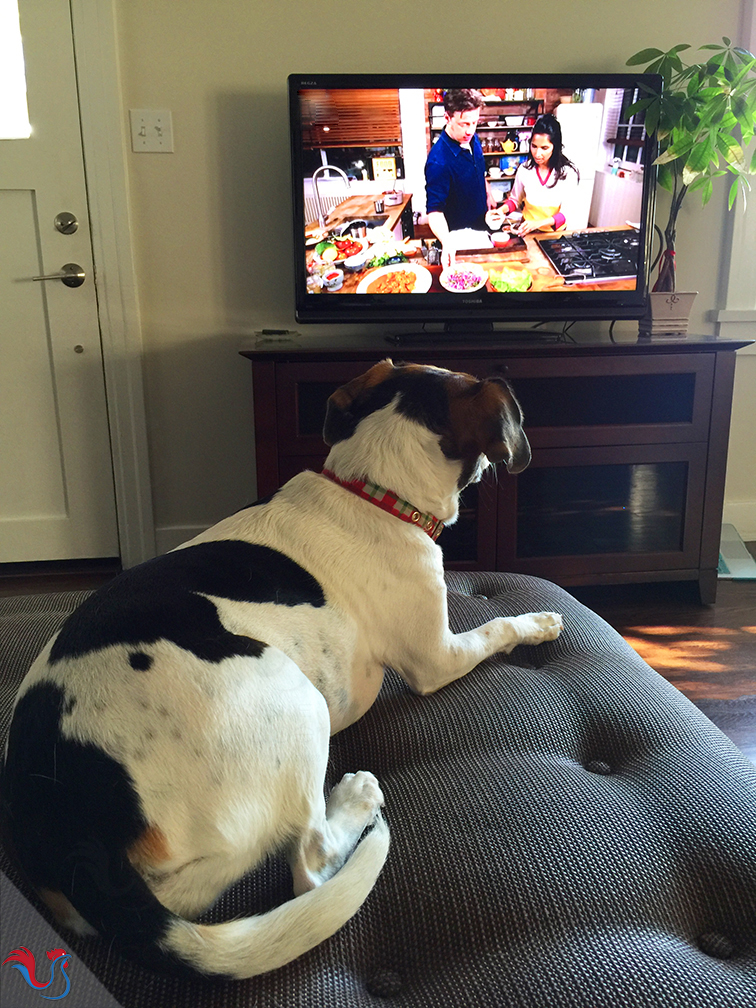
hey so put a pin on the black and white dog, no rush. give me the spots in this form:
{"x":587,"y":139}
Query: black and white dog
{"x":176,"y":729}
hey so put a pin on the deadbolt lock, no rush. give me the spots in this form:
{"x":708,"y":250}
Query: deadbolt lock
{"x":66,"y":223}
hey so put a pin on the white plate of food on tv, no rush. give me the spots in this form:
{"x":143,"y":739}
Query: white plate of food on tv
{"x":396,"y":278}
{"x":463,"y":278}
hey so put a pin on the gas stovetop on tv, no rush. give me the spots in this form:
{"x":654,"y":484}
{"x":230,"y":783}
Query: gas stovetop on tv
{"x":593,"y":256}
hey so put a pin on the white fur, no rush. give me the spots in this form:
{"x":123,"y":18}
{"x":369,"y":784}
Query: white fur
{"x":229,"y":759}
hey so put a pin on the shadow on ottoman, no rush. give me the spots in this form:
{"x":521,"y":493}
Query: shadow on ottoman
{"x":567,"y":830}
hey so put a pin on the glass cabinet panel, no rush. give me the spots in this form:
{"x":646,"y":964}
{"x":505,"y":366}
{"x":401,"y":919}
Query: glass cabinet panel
{"x":599,"y":400}
{"x":620,"y":508}
{"x":635,"y":508}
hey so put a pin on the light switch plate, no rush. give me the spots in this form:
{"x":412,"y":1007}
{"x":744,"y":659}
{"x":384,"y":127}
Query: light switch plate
{"x":151,"y":131}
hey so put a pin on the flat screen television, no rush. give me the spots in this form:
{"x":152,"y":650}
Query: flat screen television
{"x":389,"y":175}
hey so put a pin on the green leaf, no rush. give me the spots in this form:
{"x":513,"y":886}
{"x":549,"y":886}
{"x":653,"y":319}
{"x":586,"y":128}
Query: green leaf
{"x":700,"y":156}
{"x":708,"y":93}
{"x":666,"y":178}
{"x":673,"y":63}
{"x":714,"y":111}
{"x":731,"y":151}
{"x":743,"y":82}
{"x":652,"y":118}
{"x":670,"y":154}
{"x":689,"y":176}
{"x":653,"y":68}
{"x":644,"y":56}
{"x":682,"y":142}
{"x":732,"y":196}
{"x":728,"y":123}
{"x":638,"y":106}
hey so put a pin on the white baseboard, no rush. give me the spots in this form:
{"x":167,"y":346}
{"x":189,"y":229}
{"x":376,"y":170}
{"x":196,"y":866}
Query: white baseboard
{"x":743,"y":516}
{"x":168,"y":537}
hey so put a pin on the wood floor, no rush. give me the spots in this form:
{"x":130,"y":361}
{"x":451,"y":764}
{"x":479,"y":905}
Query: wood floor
{"x":708,"y":652}
{"x":59,"y":576}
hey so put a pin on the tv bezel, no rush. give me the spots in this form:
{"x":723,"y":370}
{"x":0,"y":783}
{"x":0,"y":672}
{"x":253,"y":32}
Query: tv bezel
{"x":481,"y":309}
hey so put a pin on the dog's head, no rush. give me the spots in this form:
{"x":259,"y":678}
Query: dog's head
{"x":471,"y":417}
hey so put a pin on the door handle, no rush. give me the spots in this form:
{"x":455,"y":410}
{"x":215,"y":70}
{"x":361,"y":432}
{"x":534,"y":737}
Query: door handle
{"x":72,"y":275}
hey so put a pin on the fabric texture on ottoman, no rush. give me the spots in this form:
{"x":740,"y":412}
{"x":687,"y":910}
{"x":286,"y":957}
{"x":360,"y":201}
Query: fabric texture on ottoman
{"x":567,"y":830}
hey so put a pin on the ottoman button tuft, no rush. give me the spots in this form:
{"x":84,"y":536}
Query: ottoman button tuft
{"x":718,"y":946}
{"x":598,"y":766}
{"x":384,"y":984}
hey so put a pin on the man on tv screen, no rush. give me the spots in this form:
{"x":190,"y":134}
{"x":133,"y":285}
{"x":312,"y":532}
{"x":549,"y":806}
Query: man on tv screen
{"x":456,"y":190}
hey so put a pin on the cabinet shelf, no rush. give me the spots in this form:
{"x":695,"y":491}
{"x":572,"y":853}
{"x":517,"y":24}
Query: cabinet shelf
{"x":530,"y":108}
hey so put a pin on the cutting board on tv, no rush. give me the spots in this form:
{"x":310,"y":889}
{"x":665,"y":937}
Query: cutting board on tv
{"x":514,"y":249}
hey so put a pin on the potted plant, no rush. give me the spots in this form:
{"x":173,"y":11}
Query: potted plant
{"x":704,"y":118}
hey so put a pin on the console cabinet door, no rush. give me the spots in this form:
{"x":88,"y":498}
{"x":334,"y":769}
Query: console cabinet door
{"x":578,"y":512}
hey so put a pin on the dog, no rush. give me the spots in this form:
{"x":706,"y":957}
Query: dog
{"x":176,"y":730}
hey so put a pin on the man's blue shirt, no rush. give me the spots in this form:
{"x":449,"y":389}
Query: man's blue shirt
{"x":455,"y":183}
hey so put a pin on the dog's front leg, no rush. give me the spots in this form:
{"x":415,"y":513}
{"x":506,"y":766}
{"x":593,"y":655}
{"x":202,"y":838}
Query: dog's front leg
{"x":446,"y":656}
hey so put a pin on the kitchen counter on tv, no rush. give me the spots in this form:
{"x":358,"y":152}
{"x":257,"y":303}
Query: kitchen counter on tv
{"x":362,"y":207}
{"x":523,"y":254}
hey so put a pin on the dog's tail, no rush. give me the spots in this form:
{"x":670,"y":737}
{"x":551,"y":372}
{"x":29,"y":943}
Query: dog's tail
{"x":108,"y":894}
{"x":253,"y":945}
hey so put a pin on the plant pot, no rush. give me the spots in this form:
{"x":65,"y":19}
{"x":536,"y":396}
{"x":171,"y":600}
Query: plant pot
{"x":667,"y":314}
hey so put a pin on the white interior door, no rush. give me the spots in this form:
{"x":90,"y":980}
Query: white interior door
{"x":57,"y":496}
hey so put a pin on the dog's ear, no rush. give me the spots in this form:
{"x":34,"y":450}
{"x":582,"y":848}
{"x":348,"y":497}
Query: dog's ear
{"x":486,"y":419}
{"x":507,"y":441}
{"x":341,"y":418}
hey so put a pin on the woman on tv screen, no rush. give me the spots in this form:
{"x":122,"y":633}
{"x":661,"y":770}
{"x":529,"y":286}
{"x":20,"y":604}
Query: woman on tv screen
{"x":546,"y":183}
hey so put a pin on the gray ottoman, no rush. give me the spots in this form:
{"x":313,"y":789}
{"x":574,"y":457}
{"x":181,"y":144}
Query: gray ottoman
{"x":567,"y":830}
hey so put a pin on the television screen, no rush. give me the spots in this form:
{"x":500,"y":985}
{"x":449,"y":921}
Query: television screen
{"x":470,"y":200}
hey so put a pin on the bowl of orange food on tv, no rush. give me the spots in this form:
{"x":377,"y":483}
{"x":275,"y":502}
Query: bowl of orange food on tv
{"x":396,"y":278}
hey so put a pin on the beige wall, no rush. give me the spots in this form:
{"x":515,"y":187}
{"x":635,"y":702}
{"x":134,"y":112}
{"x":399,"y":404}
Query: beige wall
{"x":212,"y":221}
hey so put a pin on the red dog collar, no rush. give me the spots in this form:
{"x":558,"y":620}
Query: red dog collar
{"x":388,"y":501}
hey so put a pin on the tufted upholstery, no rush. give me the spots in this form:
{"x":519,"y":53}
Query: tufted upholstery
{"x":567,"y":830}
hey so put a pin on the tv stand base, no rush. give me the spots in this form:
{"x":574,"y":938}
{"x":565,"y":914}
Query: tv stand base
{"x":467,"y":335}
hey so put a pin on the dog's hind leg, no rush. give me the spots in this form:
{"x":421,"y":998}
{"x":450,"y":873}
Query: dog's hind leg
{"x":334,"y":829}
{"x":197,"y":885}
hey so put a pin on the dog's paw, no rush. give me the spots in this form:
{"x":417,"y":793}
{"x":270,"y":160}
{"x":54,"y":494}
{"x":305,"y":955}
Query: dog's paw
{"x":539,"y":627}
{"x":357,"y":795}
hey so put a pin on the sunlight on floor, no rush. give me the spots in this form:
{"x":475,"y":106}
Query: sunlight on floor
{"x":689,"y":656}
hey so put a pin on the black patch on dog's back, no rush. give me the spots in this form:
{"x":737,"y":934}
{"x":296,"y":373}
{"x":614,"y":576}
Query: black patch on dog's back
{"x":164,"y":599}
